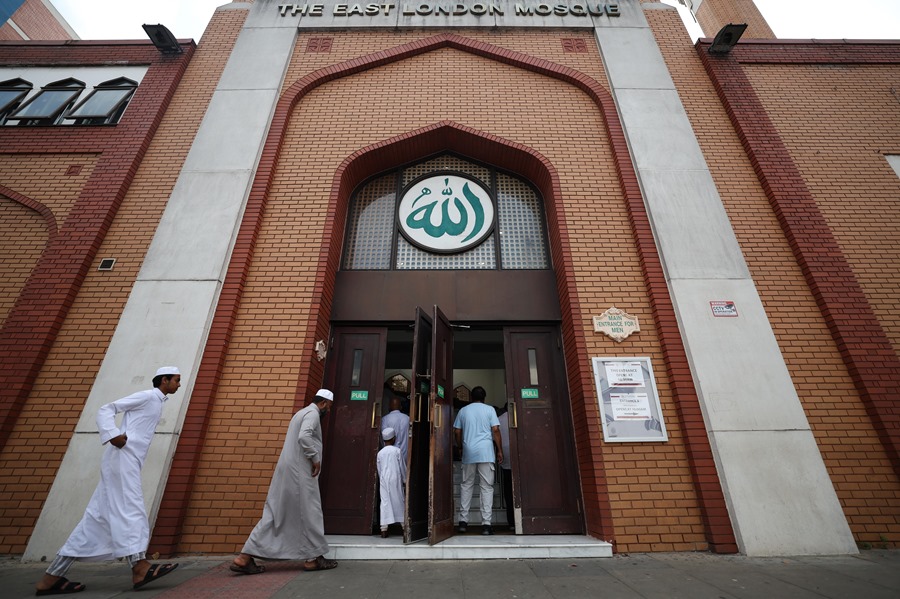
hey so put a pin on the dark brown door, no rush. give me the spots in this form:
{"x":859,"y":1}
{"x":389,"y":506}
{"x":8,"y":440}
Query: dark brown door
{"x":355,"y":373}
{"x":416,"y":510}
{"x":440,"y":509}
{"x":545,"y":476}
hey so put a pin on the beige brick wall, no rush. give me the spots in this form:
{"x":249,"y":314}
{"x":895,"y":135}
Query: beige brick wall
{"x":24,"y":231}
{"x":23,"y":234}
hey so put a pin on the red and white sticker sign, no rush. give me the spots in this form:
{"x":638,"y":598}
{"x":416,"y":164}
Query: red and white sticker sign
{"x":723,"y":309}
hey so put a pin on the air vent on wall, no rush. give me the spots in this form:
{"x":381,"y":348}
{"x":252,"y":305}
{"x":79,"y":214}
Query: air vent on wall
{"x":107,"y":264}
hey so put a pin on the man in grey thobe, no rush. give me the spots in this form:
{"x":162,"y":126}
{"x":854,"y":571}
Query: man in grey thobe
{"x":293,"y":529}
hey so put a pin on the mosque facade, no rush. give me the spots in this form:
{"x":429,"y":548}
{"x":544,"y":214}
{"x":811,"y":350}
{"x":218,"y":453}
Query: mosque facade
{"x":674,"y":264}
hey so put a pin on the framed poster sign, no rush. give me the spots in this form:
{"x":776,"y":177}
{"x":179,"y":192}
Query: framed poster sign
{"x":629,"y":402}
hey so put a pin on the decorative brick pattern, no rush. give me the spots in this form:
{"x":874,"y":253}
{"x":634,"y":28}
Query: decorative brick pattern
{"x":574,"y":45}
{"x":319,"y":44}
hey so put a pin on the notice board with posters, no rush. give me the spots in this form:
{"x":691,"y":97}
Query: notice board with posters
{"x":629,"y":402}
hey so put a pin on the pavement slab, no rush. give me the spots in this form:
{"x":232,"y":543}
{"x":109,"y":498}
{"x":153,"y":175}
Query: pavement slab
{"x":871,"y":575}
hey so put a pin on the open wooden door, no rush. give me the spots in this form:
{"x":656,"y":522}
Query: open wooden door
{"x":440,"y":509}
{"x":415,"y":525}
{"x":355,"y":373}
{"x":545,"y":474}
{"x":429,"y":492}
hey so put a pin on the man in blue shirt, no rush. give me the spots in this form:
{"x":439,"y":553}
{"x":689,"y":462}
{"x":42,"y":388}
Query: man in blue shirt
{"x":477,"y":430}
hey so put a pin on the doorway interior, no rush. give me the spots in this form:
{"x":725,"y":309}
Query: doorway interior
{"x":433,"y":366}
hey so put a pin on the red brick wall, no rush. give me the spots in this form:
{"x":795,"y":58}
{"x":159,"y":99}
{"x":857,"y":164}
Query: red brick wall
{"x":36,"y":22}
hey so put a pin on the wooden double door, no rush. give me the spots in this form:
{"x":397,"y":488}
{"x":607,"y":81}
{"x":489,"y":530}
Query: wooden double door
{"x":546,"y":488}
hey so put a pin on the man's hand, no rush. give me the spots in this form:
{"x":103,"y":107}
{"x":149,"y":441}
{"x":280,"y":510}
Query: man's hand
{"x":499,"y":456}
{"x":317,"y":467}
{"x":119,"y":441}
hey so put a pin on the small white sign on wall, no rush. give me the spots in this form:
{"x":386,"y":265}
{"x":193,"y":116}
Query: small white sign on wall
{"x":723,"y":309}
{"x":629,"y":403}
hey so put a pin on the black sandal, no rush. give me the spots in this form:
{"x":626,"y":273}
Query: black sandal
{"x":155,"y":572}
{"x":63,"y":586}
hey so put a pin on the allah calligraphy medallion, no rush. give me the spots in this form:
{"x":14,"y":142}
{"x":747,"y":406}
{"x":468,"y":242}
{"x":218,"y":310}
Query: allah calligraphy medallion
{"x":446,"y":213}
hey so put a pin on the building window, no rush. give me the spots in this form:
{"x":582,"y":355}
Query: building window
{"x":49,"y":104}
{"x":105,"y":104}
{"x":518,"y":240}
{"x":12,"y":92}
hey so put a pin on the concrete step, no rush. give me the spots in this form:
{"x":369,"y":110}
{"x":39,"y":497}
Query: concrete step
{"x":468,"y":546}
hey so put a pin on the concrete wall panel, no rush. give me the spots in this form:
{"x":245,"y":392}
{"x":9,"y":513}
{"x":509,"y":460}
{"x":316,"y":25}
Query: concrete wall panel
{"x":768,"y":497}
{"x":632,"y":59}
{"x":228,"y":138}
{"x":746,"y":385}
{"x":201,"y":223}
{"x":651,"y":111}
{"x":248,"y":67}
{"x":695,"y":237}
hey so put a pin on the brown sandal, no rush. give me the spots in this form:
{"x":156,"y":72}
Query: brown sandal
{"x":250,"y":567}
{"x":320,"y":563}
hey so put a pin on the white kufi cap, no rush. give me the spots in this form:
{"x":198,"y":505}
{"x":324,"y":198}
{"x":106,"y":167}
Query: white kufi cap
{"x":325,"y":394}
{"x":167,"y":370}
{"x":387,"y":434}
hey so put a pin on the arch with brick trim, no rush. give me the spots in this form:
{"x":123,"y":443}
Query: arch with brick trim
{"x":516,"y":158}
{"x":24,"y":251}
{"x":38,"y":207}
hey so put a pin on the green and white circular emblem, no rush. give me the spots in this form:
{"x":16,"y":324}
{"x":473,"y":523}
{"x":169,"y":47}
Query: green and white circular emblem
{"x":446,"y":213}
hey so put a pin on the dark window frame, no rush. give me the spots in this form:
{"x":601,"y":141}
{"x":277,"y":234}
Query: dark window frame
{"x":113,"y":114}
{"x":52,"y":117}
{"x":20,"y":88}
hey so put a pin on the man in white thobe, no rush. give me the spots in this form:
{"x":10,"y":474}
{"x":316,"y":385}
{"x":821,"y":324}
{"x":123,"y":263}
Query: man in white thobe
{"x":477,"y":430}
{"x":398,"y":421}
{"x":292,"y":526}
{"x":391,"y":479}
{"x":115,"y":522}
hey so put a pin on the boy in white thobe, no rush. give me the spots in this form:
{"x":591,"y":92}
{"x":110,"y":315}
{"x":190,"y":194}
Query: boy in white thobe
{"x":115,"y":522}
{"x":391,"y":478}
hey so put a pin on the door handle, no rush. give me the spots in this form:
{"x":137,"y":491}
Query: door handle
{"x":375,"y":407}
{"x":418,"y":397}
{"x":437,"y":415}
{"x":513,"y":415}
